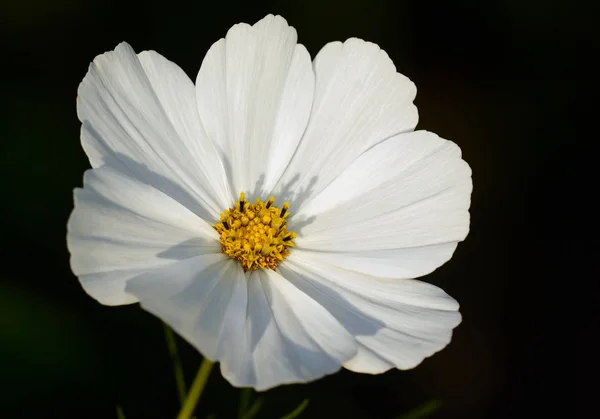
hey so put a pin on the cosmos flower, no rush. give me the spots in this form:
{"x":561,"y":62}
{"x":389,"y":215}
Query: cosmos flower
{"x":275,"y":212}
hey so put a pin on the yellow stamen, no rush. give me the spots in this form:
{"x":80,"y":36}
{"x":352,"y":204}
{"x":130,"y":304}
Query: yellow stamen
{"x":255,"y":234}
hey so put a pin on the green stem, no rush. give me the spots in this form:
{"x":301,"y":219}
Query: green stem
{"x":253,"y":411}
{"x":120,"y":414}
{"x":245,"y":396}
{"x":422,"y":411}
{"x":177,"y":368}
{"x":296,"y":412}
{"x":196,"y":390}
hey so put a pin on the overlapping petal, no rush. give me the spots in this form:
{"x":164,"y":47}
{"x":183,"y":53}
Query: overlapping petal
{"x":121,"y":228}
{"x":139,"y":116}
{"x":396,"y":322}
{"x":255,"y":91}
{"x":263,"y":330}
{"x":407,"y":198}
{"x":359,"y":101}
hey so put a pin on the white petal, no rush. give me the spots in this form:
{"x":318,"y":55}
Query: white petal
{"x":254,"y":91}
{"x":181,"y":292}
{"x":408,"y":262}
{"x":121,"y":228}
{"x":139,"y":115}
{"x":368,"y":361}
{"x":410,"y":193}
{"x":294,"y":339}
{"x":397,"y":323}
{"x":360,"y":100}
{"x":263,"y":330}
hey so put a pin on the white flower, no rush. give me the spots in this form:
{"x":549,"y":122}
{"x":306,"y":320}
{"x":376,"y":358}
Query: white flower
{"x":372,"y":202}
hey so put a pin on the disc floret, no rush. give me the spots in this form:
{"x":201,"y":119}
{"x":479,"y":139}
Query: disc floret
{"x":256,"y":234}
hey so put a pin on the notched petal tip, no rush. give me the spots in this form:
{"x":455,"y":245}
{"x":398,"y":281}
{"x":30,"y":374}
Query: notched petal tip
{"x":380,"y":54}
{"x":271,"y":18}
{"x":100,"y":60}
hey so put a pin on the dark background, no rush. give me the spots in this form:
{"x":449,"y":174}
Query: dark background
{"x":500,"y":78}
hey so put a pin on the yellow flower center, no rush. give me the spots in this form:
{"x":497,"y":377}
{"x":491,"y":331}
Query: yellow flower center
{"x":255,"y":234}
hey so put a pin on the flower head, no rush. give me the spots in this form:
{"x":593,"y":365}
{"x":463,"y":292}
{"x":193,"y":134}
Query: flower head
{"x":274,"y":212}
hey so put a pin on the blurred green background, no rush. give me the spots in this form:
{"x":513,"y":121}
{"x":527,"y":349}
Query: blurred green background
{"x":499,"y":78}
